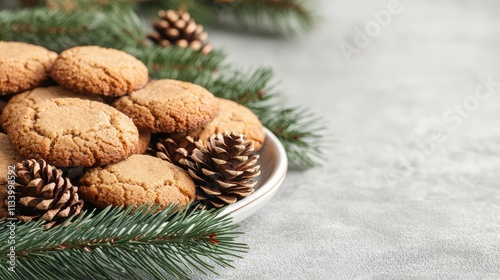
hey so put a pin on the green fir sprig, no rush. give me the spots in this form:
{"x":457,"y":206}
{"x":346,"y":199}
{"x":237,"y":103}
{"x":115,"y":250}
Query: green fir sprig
{"x":134,"y":243}
{"x":275,"y":16}
{"x":58,"y":30}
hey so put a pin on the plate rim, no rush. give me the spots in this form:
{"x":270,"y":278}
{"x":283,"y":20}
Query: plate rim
{"x":274,"y":181}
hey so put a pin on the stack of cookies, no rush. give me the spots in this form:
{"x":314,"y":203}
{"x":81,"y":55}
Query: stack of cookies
{"x":96,"y":108}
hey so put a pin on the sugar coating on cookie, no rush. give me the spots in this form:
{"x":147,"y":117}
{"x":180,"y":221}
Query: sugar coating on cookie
{"x":8,"y":157}
{"x":23,"y":66}
{"x":31,"y":97}
{"x":69,"y":132}
{"x":232,"y":117}
{"x":140,"y":179}
{"x":101,"y":71}
{"x":169,"y":106}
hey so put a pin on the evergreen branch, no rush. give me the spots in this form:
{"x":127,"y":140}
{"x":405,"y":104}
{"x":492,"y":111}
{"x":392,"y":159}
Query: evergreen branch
{"x":90,"y":5}
{"x":58,"y":31}
{"x":177,"y":63}
{"x":277,"y":16}
{"x":119,"y":242}
{"x":300,"y":133}
{"x":201,"y":12}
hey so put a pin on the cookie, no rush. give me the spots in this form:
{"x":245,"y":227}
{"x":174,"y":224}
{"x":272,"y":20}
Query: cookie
{"x":69,"y":132}
{"x":8,"y":157}
{"x":23,"y":66}
{"x":169,"y":106}
{"x":144,"y":139}
{"x":232,"y":117}
{"x":140,"y":179}
{"x":31,"y":97}
{"x":101,"y":71}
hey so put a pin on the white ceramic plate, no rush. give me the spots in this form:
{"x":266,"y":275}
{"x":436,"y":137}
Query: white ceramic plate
{"x":273,"y":164}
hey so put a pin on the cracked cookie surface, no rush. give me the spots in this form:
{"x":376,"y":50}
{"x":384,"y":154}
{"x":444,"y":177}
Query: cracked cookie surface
{"x":140,"y":179}
{"x":23,"y":66}
{"x":70,"y":132}
{"x":8,"y":157}
{"x":169,"y":106}
{"x":232,"y":117}
{"x":37,"y":95}
{"x":101,"y":71}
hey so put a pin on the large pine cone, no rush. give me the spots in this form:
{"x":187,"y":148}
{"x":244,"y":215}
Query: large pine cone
{"x":223,"y":170}
{"x":178,"y":28}
{"x":42,"y":193}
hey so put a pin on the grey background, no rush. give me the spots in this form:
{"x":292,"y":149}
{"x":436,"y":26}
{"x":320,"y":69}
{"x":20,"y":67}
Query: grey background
{"x":390,"y":202}
{"x":441,"y":218}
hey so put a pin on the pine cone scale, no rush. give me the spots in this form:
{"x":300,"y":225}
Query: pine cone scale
{"x":64,"y":198}
{"x":210,"y":190}
{"x":227,"y":199}
{"x":35,"y":184}
{"x":49,"y":215}
{"x":207,"y":172}
{"x":194,"y":175}
{"x":225,"y":185}
{"x":46,"y":191}
{"x":45,"y":204}
{"x":30,"y":201}
{"x":26,"y":218}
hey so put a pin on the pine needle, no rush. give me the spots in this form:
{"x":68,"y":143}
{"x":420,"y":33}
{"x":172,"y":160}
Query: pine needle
{"x":129,"y":242}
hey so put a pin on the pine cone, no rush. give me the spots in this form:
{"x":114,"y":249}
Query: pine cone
{"x":178,"y":28}
{"x":223,"y":169}
{"x":173,"y":149}
{"x":42,"y":193}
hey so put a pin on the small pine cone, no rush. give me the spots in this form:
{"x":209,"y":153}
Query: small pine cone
{"x":42,"y":193}
{"x":223,"y":170}
{"x":178,"y":28}
{"x":173,"y":149}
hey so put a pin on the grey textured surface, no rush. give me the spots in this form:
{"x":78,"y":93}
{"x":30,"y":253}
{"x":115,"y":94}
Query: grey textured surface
{"x":390,"y":203}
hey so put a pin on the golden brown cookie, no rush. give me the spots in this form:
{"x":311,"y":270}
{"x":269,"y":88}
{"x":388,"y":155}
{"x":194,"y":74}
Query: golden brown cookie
{"x":232,"y":117}
{"x":102,"y":71}
{"x":8,"y":157}
{"x":31,"y":97}
{"x":169,"y":106}
{"x":140,"y":179}
{"x":23,"y":66}
{"x":70,"y":132}
{"x":144,"y":139}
